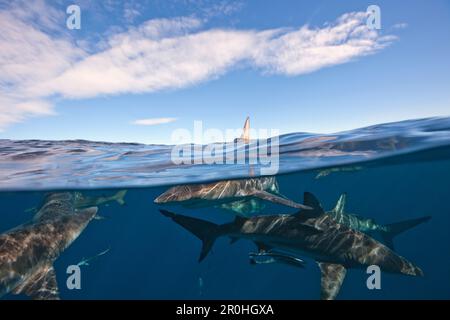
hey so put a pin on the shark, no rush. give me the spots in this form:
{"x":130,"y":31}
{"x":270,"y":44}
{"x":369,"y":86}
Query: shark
{"x":370,"y":226}
{"x":27,"y":252}
{"x":242,"y":196}
{"x":314,"y":233}
{"x":82,"y":201}
{"x":228,"y":192}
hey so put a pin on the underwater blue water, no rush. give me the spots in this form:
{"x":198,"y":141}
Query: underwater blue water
{"x":394,"y":172}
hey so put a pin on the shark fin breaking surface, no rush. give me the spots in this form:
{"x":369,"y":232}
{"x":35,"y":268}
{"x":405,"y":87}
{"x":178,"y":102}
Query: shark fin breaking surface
{"x":246,"y":131}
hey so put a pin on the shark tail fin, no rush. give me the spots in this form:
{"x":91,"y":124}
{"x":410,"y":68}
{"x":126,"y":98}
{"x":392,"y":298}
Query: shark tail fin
{"x":119,"y":197}
{"x":246,"y":131}
{"x":395,"y":229}
{"x":206,"y":231}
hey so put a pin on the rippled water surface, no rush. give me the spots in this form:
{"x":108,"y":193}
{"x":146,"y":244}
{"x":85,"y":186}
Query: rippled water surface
{"x":32,"y":164}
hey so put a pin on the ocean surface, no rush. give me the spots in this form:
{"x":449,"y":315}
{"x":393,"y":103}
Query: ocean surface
{"x":390,"y":172}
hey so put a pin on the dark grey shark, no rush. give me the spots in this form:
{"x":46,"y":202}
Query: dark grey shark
{"x":28,"y":251}
{"x":315,"y":233}
{"x":227,"y":191}
{"x":369,"y":226}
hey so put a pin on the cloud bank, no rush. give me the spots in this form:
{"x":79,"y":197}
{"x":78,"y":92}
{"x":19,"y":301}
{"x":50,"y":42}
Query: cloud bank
{"x":153,"y":121}
{"x":38,"y":63}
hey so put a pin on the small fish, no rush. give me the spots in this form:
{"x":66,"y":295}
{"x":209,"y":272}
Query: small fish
{"x":85,"y":261}
{"x":200,"y":285}
{"x":275,"y":257}
{"x":326,"y":172}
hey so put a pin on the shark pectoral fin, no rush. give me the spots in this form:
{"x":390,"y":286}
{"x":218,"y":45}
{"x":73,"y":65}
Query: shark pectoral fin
{"x":41,"y":285}
{"x":331,"y":281}
{"x":277,"y":199}
{"x":340,"y":205}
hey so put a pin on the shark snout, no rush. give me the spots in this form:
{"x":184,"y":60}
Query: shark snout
{"x":88,"y":214}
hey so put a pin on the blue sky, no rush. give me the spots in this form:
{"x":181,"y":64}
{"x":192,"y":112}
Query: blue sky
{"x":214,"y":61}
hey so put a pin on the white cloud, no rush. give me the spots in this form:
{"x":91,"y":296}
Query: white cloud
{"x":400,"y":26}
{"x":29,"y":55}
{"x":160,"y":54}
{"x":132,"y":10}
{"x":153,"y":121}
{"x":301,"y":51}
{"x":221,"y":8}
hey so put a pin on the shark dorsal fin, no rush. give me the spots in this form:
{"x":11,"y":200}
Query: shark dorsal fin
{"x":311,"y":202}
{"x":246,"y":131}
{"x":340,"y":205}
{"x":239,"y":220}
{"x":332,"y":276}
{"x":41,"y":285}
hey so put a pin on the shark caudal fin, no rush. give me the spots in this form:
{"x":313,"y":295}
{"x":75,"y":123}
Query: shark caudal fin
{"x":204,"y":230}
{"x":394,"y":229}
{"x":119,"y":197}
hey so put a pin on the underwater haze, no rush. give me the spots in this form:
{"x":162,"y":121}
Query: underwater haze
{"x":390,"y":172}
